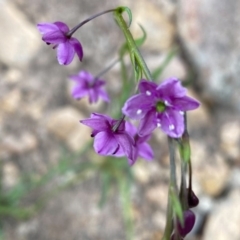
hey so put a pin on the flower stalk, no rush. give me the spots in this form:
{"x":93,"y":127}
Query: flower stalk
{"x":133,"y":49}
{"x":73,"y":30}
{"x":100,"y":74}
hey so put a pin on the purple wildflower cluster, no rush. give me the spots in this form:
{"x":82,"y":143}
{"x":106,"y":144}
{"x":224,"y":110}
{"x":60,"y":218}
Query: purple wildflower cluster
{"x":60,"y":37}
{"x":117,"y":138}
{"x":154,"y":106}
{"x":160,"y":106}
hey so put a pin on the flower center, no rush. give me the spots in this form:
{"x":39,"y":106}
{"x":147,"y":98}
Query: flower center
{"x":160,"y":106}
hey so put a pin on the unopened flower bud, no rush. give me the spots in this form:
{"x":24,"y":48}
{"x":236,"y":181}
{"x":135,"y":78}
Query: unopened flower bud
{"x":189,"y":220}
{"x":193,"y":200}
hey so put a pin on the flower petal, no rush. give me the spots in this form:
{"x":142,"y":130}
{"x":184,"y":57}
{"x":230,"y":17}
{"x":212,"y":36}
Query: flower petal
{"x":145,"y":151}
{"x":46,"y":27}
{"x":98,"y":124}
{"x":185,"y":103}
{"x":65,"y":53}
{"x":103,"y":117}
{"x":144,"y":138}
{"x":93,"y":95}
{"x":82,"y":78}
{"x":172,"y":123}
{"x":79,"y":92}
{"x":62,"y":27}
{"x":77,"y":47}
{"x":103,"y":94}
{"x":171,"y":87}
{"x":130,"y":129}
{"x":85,"y":76}
{"x":99,"y":82}
{"x":147,"y":86}
{"x":147,"y":124}
{"x":137,"y":106}
{"x":105,"y":143}
{"x":54,"y":37}
{"x":127,"y":144}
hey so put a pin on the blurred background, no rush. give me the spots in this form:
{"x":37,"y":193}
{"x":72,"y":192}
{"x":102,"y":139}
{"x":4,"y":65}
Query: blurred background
{"x":52,"y":184}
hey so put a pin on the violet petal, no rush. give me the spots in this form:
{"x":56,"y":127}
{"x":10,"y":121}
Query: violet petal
{"x":137,"y":106}
{"x":185,"y":103}
{"x":147,"y":87}
{"x":105,"y":143}
{"x":147,"y":124}
{"x":171,"y":87}
{"x":44,"y":28}
{"x":145,"y":151}
{"x":172,"y":123}
{"x":62,"y":27}
{"x":65,"y":53}
{"x":77,"y":47}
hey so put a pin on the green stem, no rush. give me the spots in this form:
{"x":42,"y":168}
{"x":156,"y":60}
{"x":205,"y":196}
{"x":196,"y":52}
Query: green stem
{"x":172,"y":188}
{"x":131,"y":43}
{"x":169,"y":223}
{"x":124,"y":186}
{"x":183,"y":190}
{"x":173,"y":178}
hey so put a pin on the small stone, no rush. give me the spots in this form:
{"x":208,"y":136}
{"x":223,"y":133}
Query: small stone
{"x":21,"y":39}
{"x":211,"y":44}
{"x":12,"y":144}
{"x":141,"y":172}
{"x":10,"y":102}
{"x":145,"y":171}
{"x":13,"y":75}
{"x":210,"y":170}
{"x":64,"y":124}
{"x":35,"y":109}
{"x":158,"y":195}
{"x":213,"y":177}
{"x":10,"y":175}
{"x":230,"y":139}
{"x":198,"y":117}
{"x":156,"y":20}
{"x":159,"y":219}
{"x":224,"y":220}
{"x":175,"y":67}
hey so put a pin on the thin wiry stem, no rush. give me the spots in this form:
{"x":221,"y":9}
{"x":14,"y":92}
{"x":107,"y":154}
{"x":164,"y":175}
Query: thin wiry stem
{"x":73,"y":30}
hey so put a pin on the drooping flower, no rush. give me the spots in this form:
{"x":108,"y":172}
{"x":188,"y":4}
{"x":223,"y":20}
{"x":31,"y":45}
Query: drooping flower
{"x":56,"y":34}
{"x":87,"y":85}
{"x":143,"y":149}
{"x":160,"y":106}
{"x":110,"y":136}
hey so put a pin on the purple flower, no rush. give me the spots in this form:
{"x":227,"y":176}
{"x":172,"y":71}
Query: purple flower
{"x":142,"y":149}
{"x":160,"y":106}
{"x":67,"y":46}
{"x":86,"y":84}
{"x":110,"y":136}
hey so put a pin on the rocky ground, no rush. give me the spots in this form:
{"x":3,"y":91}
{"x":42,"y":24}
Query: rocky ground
{"x":39,"y":120}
